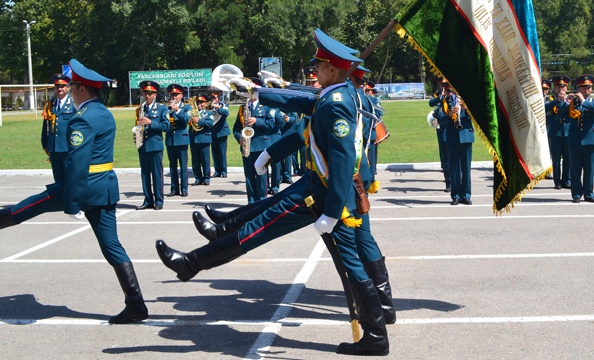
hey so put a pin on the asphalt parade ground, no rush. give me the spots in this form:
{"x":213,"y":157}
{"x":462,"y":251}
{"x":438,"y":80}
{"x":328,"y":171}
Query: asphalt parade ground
{"x":467,"y":284}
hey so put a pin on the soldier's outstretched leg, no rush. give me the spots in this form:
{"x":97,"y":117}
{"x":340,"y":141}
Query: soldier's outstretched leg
{"x":371,"y":317}
{"x":218,"y":216}
{"x":379,"y":275}
{"x":214,"y":232}
{"x":135,"y":309}
{"x":6,"y":218}
{"x":187,"y":265}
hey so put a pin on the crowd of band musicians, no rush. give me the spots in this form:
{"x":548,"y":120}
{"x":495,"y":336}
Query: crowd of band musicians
{"x":196,"y":128}
{"x":331,"y":194}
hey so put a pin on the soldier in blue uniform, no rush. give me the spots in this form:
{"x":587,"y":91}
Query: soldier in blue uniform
{"x":220,"y":133}
{"x":53,"y":133}
{"x":200,"y":139}
{"x":556,"y":108}
{"x":262,"y":120}
{"x":276,"y":167}
{"x":459,"y":134}
{"x":177,"y":140}
{"x":581,"y":139}
{"x":155,"y":121}
{"x":290,"y":119}
{"x":90,"y":187}
{"x":331,"y":137}
{"x":437,"y":102}
{"x":372,"y":152}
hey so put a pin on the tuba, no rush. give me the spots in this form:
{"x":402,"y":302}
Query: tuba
{"x":138,"y":130}
{"x":222,"y":74}
{"x":194,"y":114}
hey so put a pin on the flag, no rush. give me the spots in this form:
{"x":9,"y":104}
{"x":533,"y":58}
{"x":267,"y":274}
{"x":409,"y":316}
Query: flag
{"x":488,"y":51}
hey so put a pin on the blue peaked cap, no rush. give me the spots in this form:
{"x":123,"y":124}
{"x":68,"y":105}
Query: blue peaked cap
{"x":86,"y":76}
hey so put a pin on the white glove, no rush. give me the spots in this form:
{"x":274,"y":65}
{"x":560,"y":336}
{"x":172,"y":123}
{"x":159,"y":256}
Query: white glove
{"x":325,"y":224}
{"x":79,"y":216}
{"x":261,"y":164}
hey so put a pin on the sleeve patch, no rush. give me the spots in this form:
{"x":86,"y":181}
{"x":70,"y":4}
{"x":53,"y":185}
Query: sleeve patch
{"x":341,"y":128}
{"x":76,"y":138}
{"x":337,"y":97}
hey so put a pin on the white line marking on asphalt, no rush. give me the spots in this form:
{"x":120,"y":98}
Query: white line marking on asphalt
{"x":301,"y":322}
{"x":54,"y":240}
{"x":268,"y":334}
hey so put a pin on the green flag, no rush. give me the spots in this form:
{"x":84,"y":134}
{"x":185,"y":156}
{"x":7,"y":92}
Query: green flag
{"x":488,"y":51}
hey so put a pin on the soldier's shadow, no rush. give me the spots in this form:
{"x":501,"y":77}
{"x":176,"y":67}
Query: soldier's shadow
{"x":252,"y":301}
{"x":24,"y":309}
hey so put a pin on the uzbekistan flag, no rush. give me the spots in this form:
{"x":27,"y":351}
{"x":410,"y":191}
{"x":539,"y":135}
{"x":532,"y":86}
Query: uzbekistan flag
{"x":488,"y":51}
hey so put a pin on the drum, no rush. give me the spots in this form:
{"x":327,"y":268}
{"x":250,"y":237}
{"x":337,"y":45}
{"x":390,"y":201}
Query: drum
{"x":381,"y":132}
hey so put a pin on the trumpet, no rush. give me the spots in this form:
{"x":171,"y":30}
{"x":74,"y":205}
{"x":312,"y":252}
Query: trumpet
{"x":171,"y":103}
{"x":247,"y":132}
{"x":457,"y":120}
{"x":138,"y":130}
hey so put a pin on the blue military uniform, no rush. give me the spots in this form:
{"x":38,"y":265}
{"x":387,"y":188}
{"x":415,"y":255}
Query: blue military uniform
{"x":177,"y":140}
{"x":90,"y":186}
{"x":200,"y":140}
{"x":276,"y":167}
{"x":53,"y":132}
{"x":150,"y":153}
{"x":558,"y":132}
{"x":287,"y":162}
{"x":459,"y":134}
{"x":264,"y":128}
{"x":581,"y":143}
{"x":220,"y":133}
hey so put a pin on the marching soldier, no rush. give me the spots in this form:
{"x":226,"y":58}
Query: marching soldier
{"x":154,"y":121}
{"x":331,"y":140}
{"x":177,"y":140}
{"x":275,"y":167}
{"x":558,"y":122}
{"x":200,"y":139}
{"x":220,"y":132}
{"x":53,"y":134}
{"x":90,"y":186}
{"x":262,"y":120}
{"x":289,"y":120}
{"x":372,"y":151}
{"x":581,"y":139}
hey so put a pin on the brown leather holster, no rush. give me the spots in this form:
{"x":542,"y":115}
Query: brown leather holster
{"x":361,"y":197}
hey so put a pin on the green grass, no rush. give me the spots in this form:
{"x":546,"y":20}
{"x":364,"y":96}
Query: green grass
{"x":411,"y":139}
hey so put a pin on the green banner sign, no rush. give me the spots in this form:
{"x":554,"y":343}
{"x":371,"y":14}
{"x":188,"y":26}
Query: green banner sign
{"x":191,"y":77}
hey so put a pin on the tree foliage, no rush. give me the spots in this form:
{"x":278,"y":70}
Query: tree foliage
{"x":118,"y":36}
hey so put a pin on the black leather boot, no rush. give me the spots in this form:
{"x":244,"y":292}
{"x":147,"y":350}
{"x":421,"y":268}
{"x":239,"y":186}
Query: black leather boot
{"x":371,"y":317}
{"x":6,"y":219}
{"x":218,"y":216}
{"x":378,"y":273}
{"x":135,"y":309}
{"x":214,"y":232}
{"x":187,"y":265}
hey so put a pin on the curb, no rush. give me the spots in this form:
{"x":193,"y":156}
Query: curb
{"x":388,"y":167}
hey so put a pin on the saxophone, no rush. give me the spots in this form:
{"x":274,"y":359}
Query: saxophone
{"x":247,"y":132}
{"x":138,"y":130}
{"x":195,"y":114}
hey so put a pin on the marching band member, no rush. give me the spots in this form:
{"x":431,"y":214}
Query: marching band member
{"x":200,"y":139}
{"x":556,"y":108}
{"x":155,"y":121}
{"x":262,"y":120}
{"x":177,"y":140}
{"x":437,"y":101}
{"x":90,"y":187}
{"x":581,"y":139}
{"x":220,"y":132}
{"x":53,"y":133}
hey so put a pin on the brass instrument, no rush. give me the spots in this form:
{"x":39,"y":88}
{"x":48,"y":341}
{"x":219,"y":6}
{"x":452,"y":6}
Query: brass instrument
{"x":194,"y":114}
{"x":138,"y":130}
{"x":171,"y":117}
{"x":457,"y":120}
{"x":247,"y":132}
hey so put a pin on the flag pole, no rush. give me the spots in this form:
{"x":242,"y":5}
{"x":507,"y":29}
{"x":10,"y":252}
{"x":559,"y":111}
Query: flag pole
{"x":373,"y":45}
